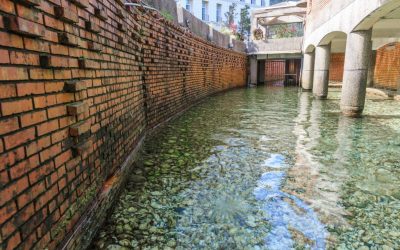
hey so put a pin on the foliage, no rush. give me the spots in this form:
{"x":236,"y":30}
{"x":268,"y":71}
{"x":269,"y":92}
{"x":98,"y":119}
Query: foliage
{"x":168,"y":16}
{"x":231,"y":15}
{"x":258,"y":34}
{"x":245,"y":23}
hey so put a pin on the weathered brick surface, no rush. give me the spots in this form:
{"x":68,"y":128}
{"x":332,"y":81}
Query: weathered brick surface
{"x":336,"y":67}
{"x":387,"y":67}
{"x":131,"y":69}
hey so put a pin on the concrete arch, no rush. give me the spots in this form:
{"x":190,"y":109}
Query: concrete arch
{"x":310,"y":48}
{"x":328,"y":38}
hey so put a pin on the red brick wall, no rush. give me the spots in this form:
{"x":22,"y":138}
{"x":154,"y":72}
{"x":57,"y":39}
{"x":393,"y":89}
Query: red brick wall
{"x":336,"y":67}
{"x":80,"y":82}
{"x":274,"y":70}
{"x":387,"y":67}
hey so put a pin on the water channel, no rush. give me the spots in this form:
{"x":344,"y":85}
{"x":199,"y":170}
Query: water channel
{"x":264,"y":168}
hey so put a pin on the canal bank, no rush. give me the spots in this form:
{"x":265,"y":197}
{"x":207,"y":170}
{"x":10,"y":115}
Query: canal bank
{"x":264,"y":168}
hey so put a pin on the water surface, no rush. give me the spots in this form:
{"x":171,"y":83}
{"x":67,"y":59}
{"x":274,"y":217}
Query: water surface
{"x":264,"y":168}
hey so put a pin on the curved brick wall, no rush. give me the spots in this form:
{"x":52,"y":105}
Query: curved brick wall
{"x":81,"y":81}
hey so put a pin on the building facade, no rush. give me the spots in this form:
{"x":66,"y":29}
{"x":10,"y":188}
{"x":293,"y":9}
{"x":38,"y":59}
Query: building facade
{"x":213,"y":11}
{"x":275,"y":48}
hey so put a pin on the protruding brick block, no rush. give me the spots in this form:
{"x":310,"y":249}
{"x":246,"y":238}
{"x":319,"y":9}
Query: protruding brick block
{"x":81,"y":3}
{"x":88,"y":64}
{"x":68,"y":39}
{"x":79,"y":128}
{"x":120,"y":13}
{"x":82,"y":148}
{"x":100,"y":13}
{"x":23,"y":26}
{"x":65,"y":14}
{"x":94,"y":46}
{"x":77,"y":108}
{"x":121,"y":27}
{"x":74,"y":86}
{"x":90,"y":26}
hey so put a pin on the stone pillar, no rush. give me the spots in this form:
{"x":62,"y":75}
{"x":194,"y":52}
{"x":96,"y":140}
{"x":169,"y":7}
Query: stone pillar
{"x":356,"y":63}
{"x":371,"y":69}
{"x":308,"y":71}
{"x":321,"y":71}
{"x":253,"y":70}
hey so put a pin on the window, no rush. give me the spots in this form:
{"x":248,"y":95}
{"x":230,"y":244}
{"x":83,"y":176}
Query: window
{"x":262,"y":2}
{"x":204,"y":11}
{"x":219,"y":13}
{"x":253,"y":1}
{"x":189,"y":5}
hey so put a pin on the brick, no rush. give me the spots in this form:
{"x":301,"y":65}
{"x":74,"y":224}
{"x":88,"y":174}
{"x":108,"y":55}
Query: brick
{"x":11,"y":157}
{"x":65,"y":14}
{"x":54,"y":87}
{"x":31,"y":14}
{"x":17,"y":106}
{"x":59,"y":135}
{"x":23,"y":26}
{"x":48,"y":61}
{"x":30,"y":3}
{"x":79,"y":128}
{"x":92,"y":27}
{"x":13,"y":73}
{"x":7,"y":211}
{"x":10,"y":40}
{"x":38,"y":145}
{"x":59,"y":49}
{"x":25,"y":89}
{"x":74,"y":86}
{"x":7,"y":91}
{"x":8,"y":125}
{"x":62,"y":158}
{"x":7,"y":6}
{"x":94,"y":46}
{"x":18,"y":57}
{"x":68,"y":39}
{"x":82,"y":148}
{"x":81,"y":3}
{"x":57,"y":111}
{"x":16,"y":221}
{"x":4,"y":56}
{"x":44,"y":101}
{"x":50,"y":152}
{"x":77,"y":108}
{"x":33,"y":118}
{"x":41,"y":74}
{"x":88,"y":64}
{"x":100,"y":13}
{"x":47,"y":127}
{"x":30,"y":194}
{"x":24,"y":167}
{"x":11,"y":191}
{"x":41,"y":172}
{"x":13,"y":241}
{"x":36,"y":45}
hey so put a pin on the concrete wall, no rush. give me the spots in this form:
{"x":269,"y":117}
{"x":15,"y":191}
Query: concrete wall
{"x":78,"y":92}
{"x":275,"y":46}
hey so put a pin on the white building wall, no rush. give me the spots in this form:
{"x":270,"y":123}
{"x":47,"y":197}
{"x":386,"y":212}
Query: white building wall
{"x":212,"y":7}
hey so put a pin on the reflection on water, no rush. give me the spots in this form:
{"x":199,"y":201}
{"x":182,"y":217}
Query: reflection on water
{"x":265,"y":168}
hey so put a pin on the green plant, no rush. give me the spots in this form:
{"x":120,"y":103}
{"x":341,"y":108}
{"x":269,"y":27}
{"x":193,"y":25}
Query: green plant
{"x":167,"y":15}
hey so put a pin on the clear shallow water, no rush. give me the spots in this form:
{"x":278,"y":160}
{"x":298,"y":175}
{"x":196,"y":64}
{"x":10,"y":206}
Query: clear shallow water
{"x":264,"y":168}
